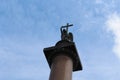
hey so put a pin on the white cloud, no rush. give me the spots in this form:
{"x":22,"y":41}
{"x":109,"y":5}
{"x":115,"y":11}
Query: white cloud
{"x":113,"y":25}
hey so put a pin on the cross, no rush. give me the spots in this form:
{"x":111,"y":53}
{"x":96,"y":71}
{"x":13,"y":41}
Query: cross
{"x":68,"y":25}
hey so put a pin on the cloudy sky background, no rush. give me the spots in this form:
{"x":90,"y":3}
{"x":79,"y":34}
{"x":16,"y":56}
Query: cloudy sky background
{"x":28,"y":26}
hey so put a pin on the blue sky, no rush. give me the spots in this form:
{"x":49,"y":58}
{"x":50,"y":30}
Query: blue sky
{"x":28,"y":26}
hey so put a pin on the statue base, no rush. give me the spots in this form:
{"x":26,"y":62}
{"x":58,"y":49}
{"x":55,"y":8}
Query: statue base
{"x":63,"y":47}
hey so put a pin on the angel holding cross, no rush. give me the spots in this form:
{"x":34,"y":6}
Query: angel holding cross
{"x":64,"y":33}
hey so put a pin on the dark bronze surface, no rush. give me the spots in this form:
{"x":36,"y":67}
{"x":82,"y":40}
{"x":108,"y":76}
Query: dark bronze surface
{"x":65,"y":48}
{"x":65,"y":35}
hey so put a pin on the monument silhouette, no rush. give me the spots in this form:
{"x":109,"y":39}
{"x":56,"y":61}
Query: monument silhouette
{"x":63,"y":58}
